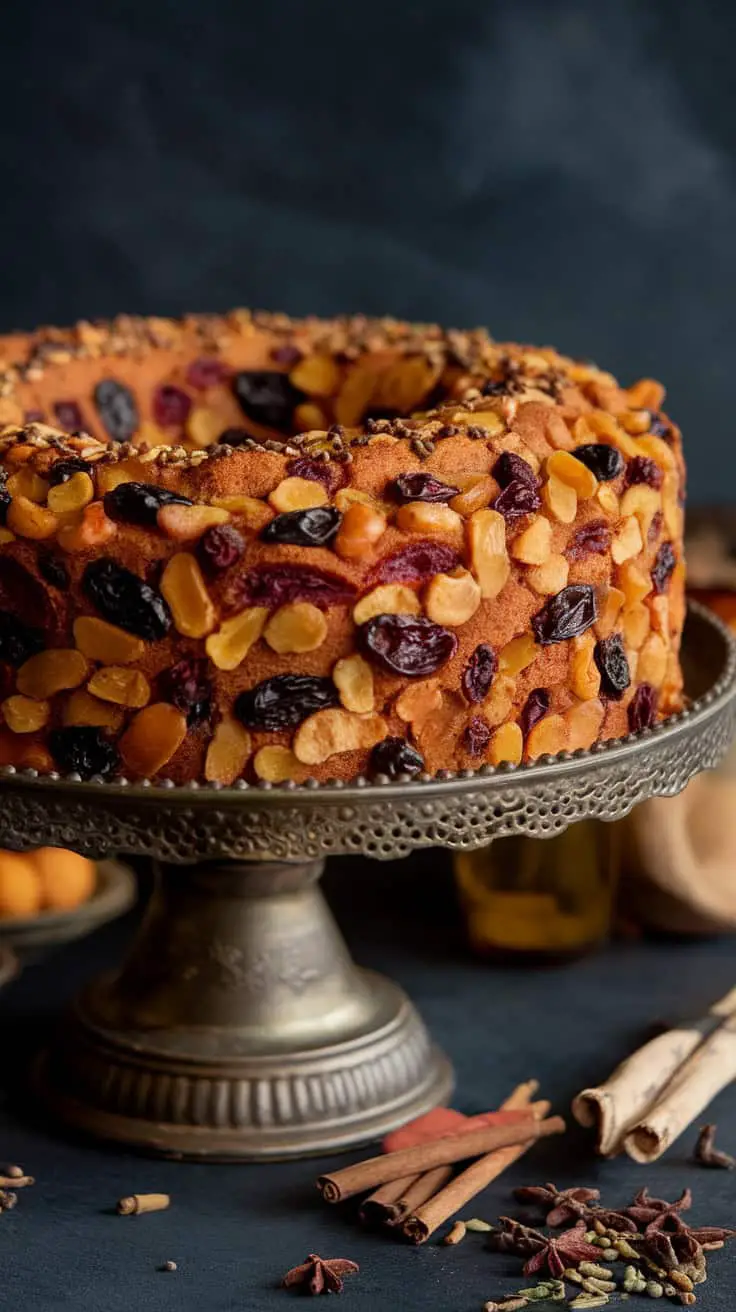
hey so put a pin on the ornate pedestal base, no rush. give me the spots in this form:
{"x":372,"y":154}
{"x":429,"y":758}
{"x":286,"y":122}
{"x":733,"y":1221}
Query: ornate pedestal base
{"x":239,"y":1028}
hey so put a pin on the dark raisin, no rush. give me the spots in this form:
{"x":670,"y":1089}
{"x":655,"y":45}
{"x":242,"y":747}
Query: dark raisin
{"x":534,"y":708}
{"x":593,"y":538}
{"x":117,"y":409}
{"x":234,"y":437}
{"x":18,"y":641}
{"x":124,"y":599}
{"x":287,"y":354}
{"x":34,"y":417}
{"x":664,"y":563}
{"x":421,"y":487}
{"x":643,"y":470}
{"x":188,"y":688}
{"x":477,"y":736}
{"x":495,"y":387}
{"x":171,"y":406}
{"x":315,"y":471}
{"x":610,"y":658}
{"x":479,"y":673}
{"x":274,"y":585}
{"x":655,"y":528}
{"x":205,"y":372}
{"x":418,"y":561}
{"x":410,"y":645}
{"x":395,"y":757}
{"x":219,"y":548}
{"x":54,"y":571}
{"x":267,"y":397}
{"x":659,"y":426}
{"x":304,"y":528}
{"x":565,"y":615}
{"x":83,"y":749}
{"x":139,"y":503}
{"x":605,"y":461}
{"x":517,"y":499}
{"x":510,"y":468}
{"x":68,"y":416}
{"x":5,"y":500}
{"x":643,"y":708}
{"x":284,"y":701}
{"x":63,"y":470}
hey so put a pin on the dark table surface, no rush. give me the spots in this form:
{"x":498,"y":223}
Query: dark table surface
{"x":234,"y":1230}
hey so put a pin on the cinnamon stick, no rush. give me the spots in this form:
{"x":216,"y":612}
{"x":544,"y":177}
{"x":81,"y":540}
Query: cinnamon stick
{"x":376,"y":1171}
{"x":422,"y":1188}
{"x":385,"y":1205}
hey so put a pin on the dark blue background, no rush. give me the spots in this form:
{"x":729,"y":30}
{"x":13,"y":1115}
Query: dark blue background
{"x":559,"y":169}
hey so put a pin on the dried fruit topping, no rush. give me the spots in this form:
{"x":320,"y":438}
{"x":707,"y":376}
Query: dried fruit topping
{"x":583,"y":723}
{"x":297,"y":494}
{"x":511,"y":468}
{"x":642,"y":469}
{"x":154,"y":735}
{"x":569,"y":613}
{"x":284,"y":701}
{"x":353,"y":678}
{"x":409,"y":645}
{"x":477,"y":736}
{"x":139,"y":503}
{"x":234,"y":437}
{"x":54,"y":572}
{"x":276,"y":764}
{"x":51,"y":671}
{"x":452,"y":599}
{"x":185,"y":591}
{"x":188,"y":523}
{"x":25,"y":714}
{"x":517,"y":499}
{"x":297,"y":627}
{"x":100,"y":641}
{"x":593,"y":538}
{"x":517,"y":654}
{"x":266,"y":396}
{"x":228,"y":753}
{"x":75,"y":494}
{"x":319,"y":471}
{"x":428,"y":517}
{"x":83,"y":750}
{"x":421,"y":487}
{"x":304,"y":528}
{"x":547,"y":737}
{"x":561,"y":499}
{"x":489,"y":558}
{"x":417,"y":702}
{"x":229,"y":647}
{"x":479,"y":673}
{"x":610,"y":658}
{"x":125,"y":600}
{"x":476,"y":491}
{"x":121,"y":685}
{"x":573,"y":472}
{"x":117,"y":409}
{"x":187,"y":686}
{"x":386,"y":599}
{"x":219,"y":548}
{"x":395,"y":757}
{"x":18,"y":641}
{"x":664,"y":563}
{"x":535,"y":706}
{"x":642,"y":708}
{"x":29,"y":520}
{"x":5,"y":500}
{"x":82,"y":708}
{"x":605,"y":461}
{"x":507,"y":745}
{"x":91,"y":531}
{"x":63,"y":470}
{"x":68,"y":416}
{"x":549,"y":577}
{"x":205,"y":372}
{"x":362,"y":526}
{"x":533,"y":545}
{"x":274,"y":585}
{"x":170,"y":406}
{"x":660,"y":427}
{"x":418,"y":561}
{"x":334,"y":731}
{"x":287,"y":354}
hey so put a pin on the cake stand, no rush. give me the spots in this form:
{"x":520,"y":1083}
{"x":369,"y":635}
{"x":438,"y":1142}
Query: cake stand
{"x":238,"y":1027}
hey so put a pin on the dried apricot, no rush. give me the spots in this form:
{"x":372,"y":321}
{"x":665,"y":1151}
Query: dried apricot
{"x":184,"y":588}
{"x":154,"y":735}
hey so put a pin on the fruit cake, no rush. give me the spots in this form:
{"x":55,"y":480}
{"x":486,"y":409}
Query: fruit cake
{"x":255,"y":548}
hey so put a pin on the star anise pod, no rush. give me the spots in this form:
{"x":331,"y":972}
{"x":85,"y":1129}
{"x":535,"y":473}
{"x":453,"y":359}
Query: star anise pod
{"x":623,"y":1225}
{"x":515,"y":1237}
{"x":558,"y":1252}
{"x":646,"y":1209}
{"x":560,"y":1205}
{"x":670,"y":1242}
{"x":321,"y":1275}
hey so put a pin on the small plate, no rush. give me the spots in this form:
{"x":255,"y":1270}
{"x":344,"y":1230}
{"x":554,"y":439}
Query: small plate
{"x":115,"y":893}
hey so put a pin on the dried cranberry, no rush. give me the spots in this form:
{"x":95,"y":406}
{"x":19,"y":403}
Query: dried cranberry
{"x":510,"y":468}
{"x":664,"y":563}
{"x":234,"y":437}
{"x":287,"y":354}
{"x":418,"y":561}
{"x":33,"y":417}
{"x":477,"y":736}
{"x":139,"y":503}
{"x":565,"y":615}
{"x":117,"y":409}
{"x":84,"y":750}
{"x":643,"y":470}
{"x":18,"y":641}
{"x":170,"y":406}
{"x":267,"y":397}
{"x":315,"y":471}
{"x":220,"y":548}
{"x":593,"y":538}
{"x":659,"y":426}
{"x":534,"y":708}
{"x":479,"y":673}
{"x":205,"y":372}
{"x":643,"y":708}
{"x":5,"y":500}
{"x":421,"y":487}
{"x":395,"y":757}
{"x":284,"y":701}
{"x":188,"y":688}
{"x":610,"y":658}
{"x":68,"y":416}
{"x":124,"y":599}
{"x":304,"y":528}
{"x":605,"y":461}
{"x":54,"y":571}
{"x":410,"y":645}
{"x":274,"y":585}
{"x":655,"y":528}
{"x":517,"y":499}
{"x":63,"y":470}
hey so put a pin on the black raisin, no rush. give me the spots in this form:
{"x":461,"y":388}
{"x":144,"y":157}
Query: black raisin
{"x":511,"y":468}
{"x":410,"y":645}
{"x":18,"y":641}
{"x":117,"y":409}
{"x":605,"y":461}
{"x":565,"y":615}
{"x":219,"y":548}
{"x":534,"y":708}
{"x":139,"y":503}
{"x":124,"y":599}
{"x":421,"y":487}
{"x":234,"y":437}
{"x":643,"y":708}
{"x":304,"y":528}
{"x":610,"y":658}
{"x":517,"y":499}
{"x":479,"y":673}
{"x":664,"y":563}
{"x":83,"y":749}
{"x":477,"y":736}
{"x":54,"y":571}
{"x":62,"y":470}
{"x":284,"y":701}
{"x":395,"y":757}
{"x":187,"y":686}
{"x":642,"y":469}
{"x":267,"y":397}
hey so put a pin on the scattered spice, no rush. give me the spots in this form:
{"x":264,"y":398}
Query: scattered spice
{"x":19,"y":1181}
{"x":553,"y":1252}
{"x":646,"y":1209}
{"x":137,"y":1204}
{"x":476,"y":1225}
{"x":706,"y":1153}
{"x":8,"y":1200}
{"x":14,"y":1172}
{"x":168,"y":1266}
{"x":456,"y":1234}
{"x":321,"y":1275}
{"x":512,"y":1304}
{"x":560,"y":1205}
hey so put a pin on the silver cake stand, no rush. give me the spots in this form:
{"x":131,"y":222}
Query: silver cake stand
{"x":238,"y":1026}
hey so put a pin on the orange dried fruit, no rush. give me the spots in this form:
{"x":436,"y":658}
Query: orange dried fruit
{"x":277,"y":764}
{"x":27,"y":483}
{"x":497,"y":705}
{"x":387,"y":599}
{"x":635,"y":584}
{"x":71,"y":496}
{"x":121,"y":685}
{"x":93,"y":530}
{"x":154,"y":735}
{"x":353,"y":678}
{"x":417,"y":702}
{"x":29,"y":520}
{"x":405,"y":384}
{"x":429,"y":517}
{"x":356,"y":393}
{"x":185,"y":591}
{"x":25,"y":714}
{"x":549,"y":577}
{"x":585,"y":679}
{"x":229,"y":646}
{"x":309,"y":417}
{"x":647,"y":393}
{"x":573,"y":472}
{"x":362,"y":526}
{"x":643,"y":502}
{"x":20,"y":886}
{"x":6,"y":536}
{"x":560,"y":499}
{"x":533,"y":545}
{"x":507,"y":744}
{"x":489,"y":557}
{"x":82,"y":708}
{"x":583,"y":724}
{"x":52,"y":671}
{"x":203,"y":426}
{"x":297,"y":494}
{"x":187,"y":523}
{"x":547,"y":737}
{"x":255,"y":514}
{"x":476,"y":492}
{"x":296,"y":627}
{"x":331,"y":732}
{"x":227,"y":753}
{"x":607,"y":500}
{"x":100,"y":641}
{"x":517,"y":654}
{"x":452,"y":599}
{"x":317,"y":375}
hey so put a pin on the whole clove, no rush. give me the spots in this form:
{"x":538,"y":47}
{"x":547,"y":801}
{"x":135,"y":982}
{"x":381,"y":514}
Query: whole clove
{"x":137,"y":1204}
{"x":706,"y":1153}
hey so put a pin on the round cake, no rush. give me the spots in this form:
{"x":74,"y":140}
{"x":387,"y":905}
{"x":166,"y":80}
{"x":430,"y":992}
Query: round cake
{"x":251,"y":547}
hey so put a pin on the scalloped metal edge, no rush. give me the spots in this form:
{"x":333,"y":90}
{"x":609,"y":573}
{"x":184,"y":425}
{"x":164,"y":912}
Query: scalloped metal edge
{"x":444,"y":781}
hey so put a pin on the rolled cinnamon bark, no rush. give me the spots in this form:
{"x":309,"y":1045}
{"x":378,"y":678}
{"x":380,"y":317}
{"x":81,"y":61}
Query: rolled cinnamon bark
{"x":423,"y":1187}
{"x":385,"y":1205}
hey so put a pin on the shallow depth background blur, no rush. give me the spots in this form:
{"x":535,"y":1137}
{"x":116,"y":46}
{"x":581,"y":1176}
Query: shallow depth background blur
{"x":559,"y":169}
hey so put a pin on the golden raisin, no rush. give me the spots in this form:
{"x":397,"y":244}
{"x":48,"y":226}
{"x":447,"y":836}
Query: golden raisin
{"x":154,"y":735}
{"x":476,"y":492}
{"x":636,"y":625}
{"x":296,"y":627}
{"x":353,"y":678}
{"x":74,"y":494}
{"x":643,"y":502}
{"x":507,"y":744}
{"x":26,"y":483}
{"x":549,"y":577}
{"x":317,"y":375}
{"x":517,"y":654}
{"x":635,"y":584}
{"x":585,"y":679}
{"x":121,"y":685}
{"x":51,"y":671}
{"x":560,"y":499}
{"x":573,"y":472}
{"x":277,"y":764}
{"x":387,"y":599}
{"x":185,"y":590}
{"x":328,"y":733}
{"x":83,"y":708}
{"x":230,"y":645}
{"x":583,"y":723}
{"x":362,"y":526}
{"x":187,"y":523}
{"x":228,"y":752}
{"x":255,"y":514}
{"x":29,"y":520}
{"x":203,"y":426}
{"x":489,"y":557}
{"x":533,"y":545}
{"x":297,"y":494}
{"x":428,"y":517}
{"x":627,"y":542}
{"x":100,"y":641}
{"x":452,"y":599}
{"x":25,"y":714}
{"x":547,"y":737}
{"x":309,"y":417}
{"x":652,"y":664}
